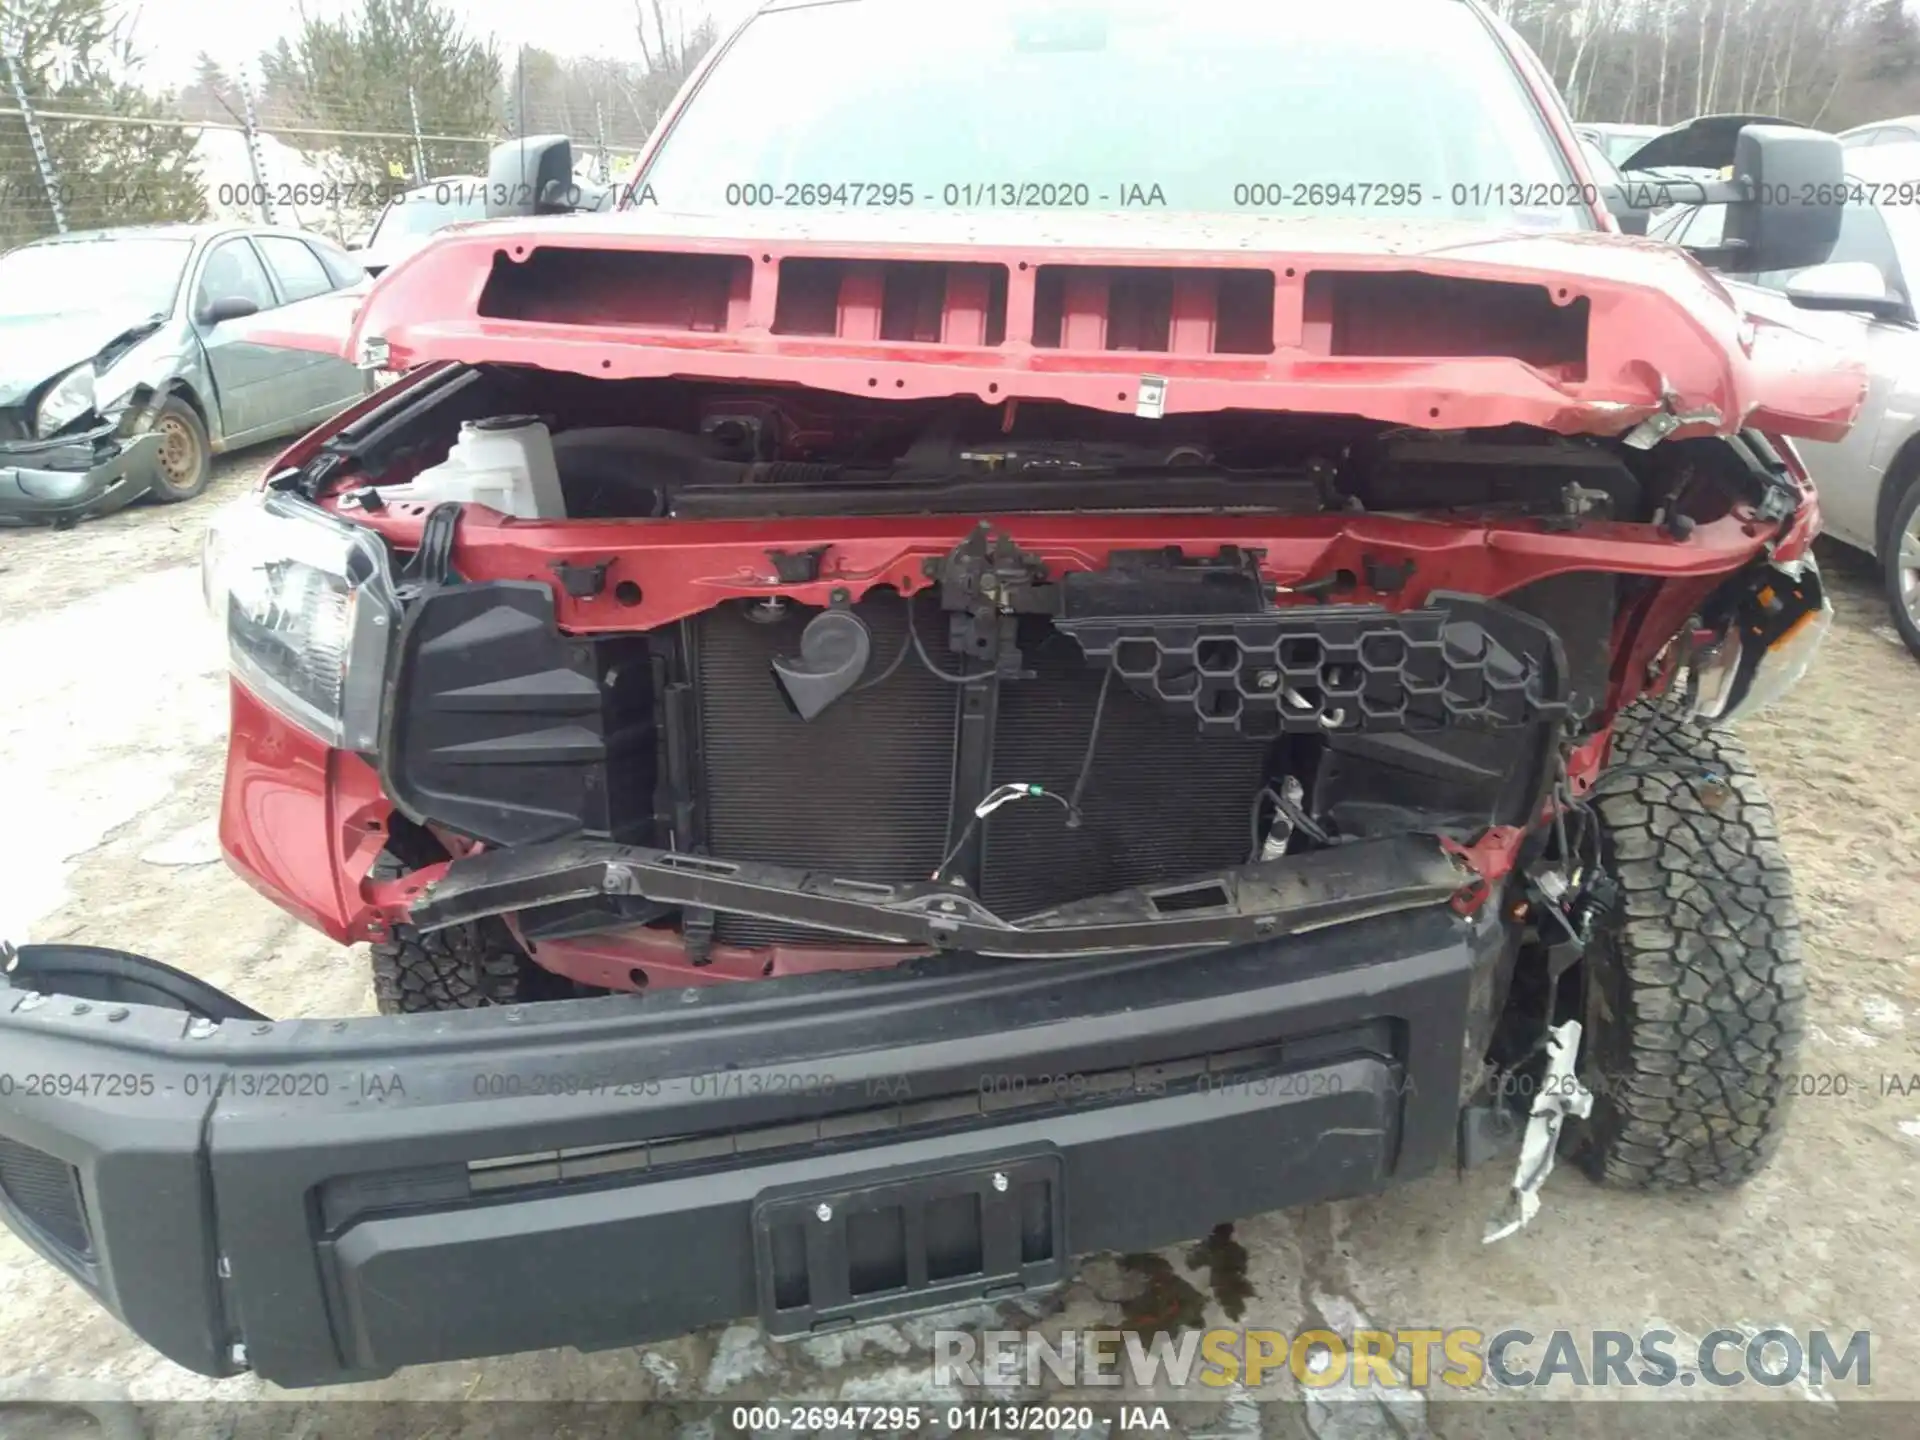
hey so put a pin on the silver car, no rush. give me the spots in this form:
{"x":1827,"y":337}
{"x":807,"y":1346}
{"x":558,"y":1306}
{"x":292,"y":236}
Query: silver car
{"x":410,"y":219}
{"x":1902,"y":130}
{"x":1861,"y":299}
{"x":125,"y":362}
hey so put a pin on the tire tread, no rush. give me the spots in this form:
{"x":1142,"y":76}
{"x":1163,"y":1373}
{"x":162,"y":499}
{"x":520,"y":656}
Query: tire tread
{"x":1702,"y":986}
{"x":463,"y":967}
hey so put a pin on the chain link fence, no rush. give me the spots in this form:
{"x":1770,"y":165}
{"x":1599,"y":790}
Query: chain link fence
{"x":224,"y":153}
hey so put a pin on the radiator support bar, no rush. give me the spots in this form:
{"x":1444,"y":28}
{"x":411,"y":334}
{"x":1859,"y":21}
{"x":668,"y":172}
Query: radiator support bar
{"x":1235,"y":906}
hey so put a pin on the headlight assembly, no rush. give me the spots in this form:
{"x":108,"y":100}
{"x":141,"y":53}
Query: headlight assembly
{"x":308,"y":605}
{"x":69,"y":399}
{"x":1773,"y":618}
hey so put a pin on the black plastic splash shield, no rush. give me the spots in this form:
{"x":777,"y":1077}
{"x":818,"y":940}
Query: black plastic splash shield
{"x":502,"y":728}
{"x":1235,"y":906}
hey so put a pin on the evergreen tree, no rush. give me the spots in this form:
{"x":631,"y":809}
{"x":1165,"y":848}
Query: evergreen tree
{"x":355,"y":74}
{"x":73,"y":56}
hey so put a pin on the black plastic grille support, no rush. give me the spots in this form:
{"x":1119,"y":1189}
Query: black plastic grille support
{"x":1459,"y":662}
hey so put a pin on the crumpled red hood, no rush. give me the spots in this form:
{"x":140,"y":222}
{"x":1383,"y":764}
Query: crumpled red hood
{"x":1436,"y":326}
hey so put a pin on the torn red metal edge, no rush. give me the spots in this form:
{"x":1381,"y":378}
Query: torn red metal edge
{"x":1490,"y":859}
{"x":1492,"y":856}
{"x":1663,"y":333}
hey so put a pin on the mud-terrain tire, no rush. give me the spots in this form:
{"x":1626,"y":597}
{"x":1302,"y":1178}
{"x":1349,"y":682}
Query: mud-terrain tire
{"x":460,"y":968}
{"x":1695,"y":993}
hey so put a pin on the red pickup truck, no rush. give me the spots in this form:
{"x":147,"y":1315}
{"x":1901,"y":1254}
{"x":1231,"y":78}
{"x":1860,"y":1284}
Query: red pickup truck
{"x":1107,"y":617}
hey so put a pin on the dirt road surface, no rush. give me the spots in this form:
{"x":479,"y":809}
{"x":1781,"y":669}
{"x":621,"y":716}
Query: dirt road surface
{"x":110,"y":759}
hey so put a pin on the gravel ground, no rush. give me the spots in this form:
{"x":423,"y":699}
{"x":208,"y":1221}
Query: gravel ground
{"x":110,"y":756}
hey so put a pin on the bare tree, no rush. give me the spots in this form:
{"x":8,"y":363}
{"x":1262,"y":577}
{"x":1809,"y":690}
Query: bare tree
{"x":1659,"y":61}
{"x":1666,"y":45}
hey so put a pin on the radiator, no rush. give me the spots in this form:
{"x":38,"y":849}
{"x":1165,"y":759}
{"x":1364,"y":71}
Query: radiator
{"x":863,"y":790}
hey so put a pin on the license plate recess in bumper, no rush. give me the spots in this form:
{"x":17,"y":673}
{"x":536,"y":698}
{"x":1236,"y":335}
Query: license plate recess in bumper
{"x":897,"y":1242}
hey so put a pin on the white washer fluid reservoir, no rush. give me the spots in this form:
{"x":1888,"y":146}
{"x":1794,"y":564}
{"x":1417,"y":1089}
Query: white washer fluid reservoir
{"x":504,"y":462}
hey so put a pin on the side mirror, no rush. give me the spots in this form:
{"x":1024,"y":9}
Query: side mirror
{"x":531,"y":176}
{"x":228,"y":307}
{"x":1794,"y":186}
{"x":1846,"y":285}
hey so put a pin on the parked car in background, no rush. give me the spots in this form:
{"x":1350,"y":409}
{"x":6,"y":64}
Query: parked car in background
{"x":1862,"y":297}
{"x":1617,"y":142}
{"x":1604,"y":170}
{"x":1693,"y":150}
{"x":1904,"y":130}
{"x":414,"y":217}
{"x":410,"y":219}
{"x":123,"y":372}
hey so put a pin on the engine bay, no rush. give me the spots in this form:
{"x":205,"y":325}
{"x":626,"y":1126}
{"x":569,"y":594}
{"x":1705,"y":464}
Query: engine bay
{"x":696,"y":450}
{"x":1024,"y":658}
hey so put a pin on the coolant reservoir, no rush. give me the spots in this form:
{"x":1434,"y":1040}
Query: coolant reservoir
{"x":504,"y":462}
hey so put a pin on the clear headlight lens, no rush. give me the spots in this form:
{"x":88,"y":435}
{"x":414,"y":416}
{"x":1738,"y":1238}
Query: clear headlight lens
{"x":307,"y":602}
{"x":69,"y":399}
{"x":1777,"y":623}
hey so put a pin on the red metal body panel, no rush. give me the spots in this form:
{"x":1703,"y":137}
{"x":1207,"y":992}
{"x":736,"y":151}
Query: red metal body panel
{"x":1661,"y":330}
{"x":685,"y":566}
{"x":300,"y":822}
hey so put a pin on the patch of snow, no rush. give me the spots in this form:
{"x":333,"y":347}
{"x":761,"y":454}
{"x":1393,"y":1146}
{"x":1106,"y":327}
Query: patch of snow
{"x":1239,"y":1419}
{"x":741,"y":1354}
{"x":1883,"y":1014}
{"x":665,"y":1372}
{"x":900,"y":1385}
{"x":1342,"y":1410}
{"x":108,"y":699}
{"x":840,"y":1347}
{"x":920,"y":1329}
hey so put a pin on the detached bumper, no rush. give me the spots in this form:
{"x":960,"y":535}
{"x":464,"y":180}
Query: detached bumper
{"x":343,"y":1197}
{"x":72,"y":477}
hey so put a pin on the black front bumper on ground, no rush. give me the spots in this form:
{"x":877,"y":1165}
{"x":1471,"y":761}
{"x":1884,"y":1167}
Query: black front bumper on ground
{"x":73,"y":476}
{"x":321,"y":1200}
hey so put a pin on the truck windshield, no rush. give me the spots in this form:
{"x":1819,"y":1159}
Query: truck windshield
{"x":1403,"y":109}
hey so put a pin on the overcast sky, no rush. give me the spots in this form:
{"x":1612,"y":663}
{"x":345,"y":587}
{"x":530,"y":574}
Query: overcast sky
{"x":170,"y":33}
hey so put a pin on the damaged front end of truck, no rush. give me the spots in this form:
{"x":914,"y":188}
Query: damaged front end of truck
{"x":1032,"y":719}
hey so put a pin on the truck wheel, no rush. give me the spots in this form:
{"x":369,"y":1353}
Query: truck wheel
{"x":460,"y":968}
{"x":186,"y":459}
{"x":1903,"y":565}
{"x":1695,"y":992}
